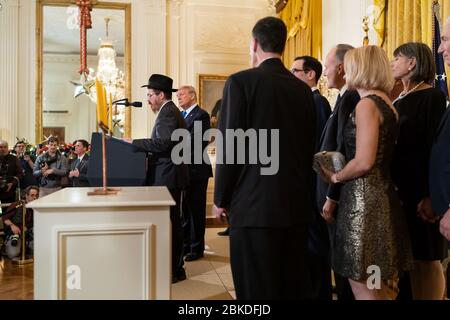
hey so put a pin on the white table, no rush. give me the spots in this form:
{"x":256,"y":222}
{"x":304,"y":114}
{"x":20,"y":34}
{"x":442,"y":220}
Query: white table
{"x":103,"y":247}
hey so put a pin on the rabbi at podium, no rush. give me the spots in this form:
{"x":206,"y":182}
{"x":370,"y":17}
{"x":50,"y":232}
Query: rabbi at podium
{"x":161,"y":170}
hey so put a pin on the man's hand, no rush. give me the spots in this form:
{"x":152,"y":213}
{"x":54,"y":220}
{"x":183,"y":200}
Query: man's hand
{"x":425,"y":211}
{"x":129,"y":140}
{"x":15,"y":229}
{"x":444,"y":226}
{"x":328,"y":211}
{"x":9,"y":186}
{"x":44,"y":168}
{"x":48,"y":172}
{"x":74,"y":173}
{"x":220,"y":213}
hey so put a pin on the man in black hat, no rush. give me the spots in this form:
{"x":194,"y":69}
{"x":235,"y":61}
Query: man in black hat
{"x":161,"y":169}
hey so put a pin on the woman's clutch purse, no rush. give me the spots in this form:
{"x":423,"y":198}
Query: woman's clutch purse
{"x":331,"y":160}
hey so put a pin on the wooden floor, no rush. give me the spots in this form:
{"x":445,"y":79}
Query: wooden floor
{"x":208,"y":277}
{"x":16,"y":282}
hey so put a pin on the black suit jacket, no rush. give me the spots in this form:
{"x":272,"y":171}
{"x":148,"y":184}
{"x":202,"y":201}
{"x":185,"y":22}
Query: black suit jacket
{"x":268,"y":97}
{"x":323,"y":111}
{"x":161,"y":170}
{"x":440,"y":167}
{"x":332,"y":140}
{"x":81,"y":180}
{"x":201,"y":171}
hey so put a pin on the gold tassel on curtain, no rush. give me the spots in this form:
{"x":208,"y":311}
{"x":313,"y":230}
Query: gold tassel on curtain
{"x":408,"y":20}
{"x":303,"y":19}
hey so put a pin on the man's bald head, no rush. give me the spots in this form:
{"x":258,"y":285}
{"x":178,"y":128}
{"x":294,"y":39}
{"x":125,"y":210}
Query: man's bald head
{"x":444,"y":48}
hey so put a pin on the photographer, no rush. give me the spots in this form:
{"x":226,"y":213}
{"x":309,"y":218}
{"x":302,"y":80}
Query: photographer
{"x":10,"y":173}
{"x":12,"y":221}
{"x":50,"y":167}
{"x":27,"y":162}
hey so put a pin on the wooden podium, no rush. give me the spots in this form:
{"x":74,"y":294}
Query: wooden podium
{"x":103,"y":247}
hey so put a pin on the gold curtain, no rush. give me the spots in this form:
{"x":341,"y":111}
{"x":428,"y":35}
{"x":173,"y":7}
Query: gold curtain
{"x":303,"y":19}
{"x":407,"y":20}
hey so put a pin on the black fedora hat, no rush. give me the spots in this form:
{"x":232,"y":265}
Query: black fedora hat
{"x":160,"y":82}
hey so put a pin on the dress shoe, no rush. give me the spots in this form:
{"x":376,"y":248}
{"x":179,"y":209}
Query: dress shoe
{"x":225,"y":232}
{"x":193,"y":256}
{"x":180,"y":275}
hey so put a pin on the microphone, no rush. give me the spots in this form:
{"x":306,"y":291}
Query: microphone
{"x":126,"y":103}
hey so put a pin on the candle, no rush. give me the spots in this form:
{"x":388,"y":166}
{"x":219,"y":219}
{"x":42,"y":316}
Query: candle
{"x":110,"y":113}
{"x":99,"y":89}
{"x":105,"y":107}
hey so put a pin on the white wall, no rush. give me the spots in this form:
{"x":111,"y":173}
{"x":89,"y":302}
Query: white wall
{"x":342,"y":23}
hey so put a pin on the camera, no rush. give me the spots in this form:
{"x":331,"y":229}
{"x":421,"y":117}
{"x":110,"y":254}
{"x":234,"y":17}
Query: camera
{"x":15,"y":240}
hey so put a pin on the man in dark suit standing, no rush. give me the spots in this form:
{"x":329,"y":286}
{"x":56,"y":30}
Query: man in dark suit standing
{"x":79,"y":167}
{"x":194,"y":199}
{"x":440,"y":155}
{"x":161,"y":169}
{"x":309,"y":70}
{"x":268,"y":212}
{"x":327,"y":196}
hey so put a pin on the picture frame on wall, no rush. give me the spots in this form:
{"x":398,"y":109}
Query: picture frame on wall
{"x":210,"y":90}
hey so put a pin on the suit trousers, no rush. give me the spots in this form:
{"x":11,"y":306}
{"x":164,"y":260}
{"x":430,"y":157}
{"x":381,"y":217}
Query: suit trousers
{"x":269,"y":263}
{"x":194,"y":216}
{"x":177,"y":232}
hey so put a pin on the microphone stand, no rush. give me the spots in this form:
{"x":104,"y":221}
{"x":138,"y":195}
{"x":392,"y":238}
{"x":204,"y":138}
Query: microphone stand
{"x":23,"y":260}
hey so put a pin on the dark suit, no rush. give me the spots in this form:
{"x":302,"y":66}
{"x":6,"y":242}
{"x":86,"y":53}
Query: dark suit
{"x":318,"y":242}
{"x":332,"y":140}
{"x":163,"y":172}
{"x":268,"y":214}
{"x":440,"y":167}
{"x":194,"y":200}
{"x":81,"y":180}
{"x":323,"y":111}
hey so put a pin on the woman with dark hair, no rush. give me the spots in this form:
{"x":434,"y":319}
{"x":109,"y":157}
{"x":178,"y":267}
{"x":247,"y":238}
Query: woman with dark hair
{"x":420,"y":107}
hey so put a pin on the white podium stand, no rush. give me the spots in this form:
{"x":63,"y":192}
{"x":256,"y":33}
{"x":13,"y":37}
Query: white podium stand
{"x":103,"y":247}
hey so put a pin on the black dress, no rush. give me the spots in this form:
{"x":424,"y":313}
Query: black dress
{"x":420,"y":114}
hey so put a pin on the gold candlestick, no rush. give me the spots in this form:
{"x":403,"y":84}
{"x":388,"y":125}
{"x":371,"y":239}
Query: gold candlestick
{"x":23,"y":260}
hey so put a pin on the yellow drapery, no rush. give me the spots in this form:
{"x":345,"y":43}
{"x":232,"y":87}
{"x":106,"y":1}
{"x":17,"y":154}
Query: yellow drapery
{"x":303,"y":19}
{"x":408,"y":20}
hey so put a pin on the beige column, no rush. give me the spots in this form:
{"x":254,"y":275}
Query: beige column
{"x":9,"y":84}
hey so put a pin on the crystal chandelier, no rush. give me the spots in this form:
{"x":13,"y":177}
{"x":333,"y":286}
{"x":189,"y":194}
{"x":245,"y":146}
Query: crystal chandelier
{"x":107,"y":72}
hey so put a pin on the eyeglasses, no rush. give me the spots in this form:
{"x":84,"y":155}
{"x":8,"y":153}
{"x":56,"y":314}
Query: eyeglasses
{"x":294,"y":70}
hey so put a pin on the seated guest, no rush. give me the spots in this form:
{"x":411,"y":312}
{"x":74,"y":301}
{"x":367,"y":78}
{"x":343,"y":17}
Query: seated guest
{"x":79,"y":167}
{"x":13,"y":220}
{"x":27,"y":162}
{"x":49,"y":168}
{"x":10,"y":174}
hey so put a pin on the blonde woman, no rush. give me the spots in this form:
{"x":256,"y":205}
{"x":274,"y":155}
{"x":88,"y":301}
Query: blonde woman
{"x":371,"y":236}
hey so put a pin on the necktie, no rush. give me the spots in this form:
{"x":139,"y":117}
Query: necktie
{"x":77,"y":162}
{"x":184,"y":114}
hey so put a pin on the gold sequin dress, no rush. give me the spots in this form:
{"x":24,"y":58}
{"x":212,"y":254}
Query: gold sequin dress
{"x":371,"y":226}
